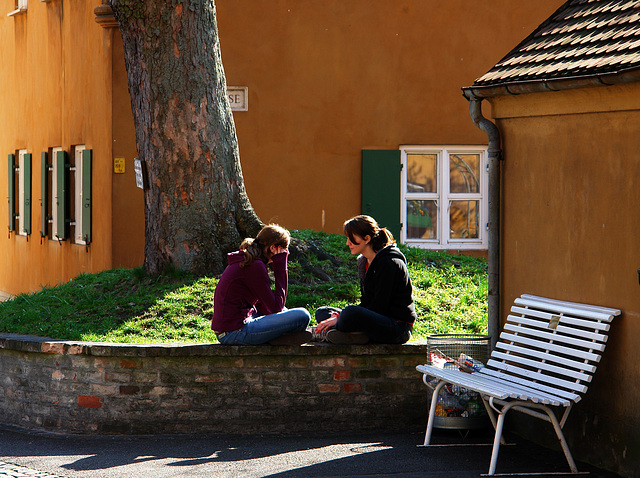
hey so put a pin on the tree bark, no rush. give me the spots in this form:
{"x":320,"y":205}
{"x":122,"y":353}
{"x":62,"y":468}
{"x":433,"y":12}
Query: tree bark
{"x":196,"y":206}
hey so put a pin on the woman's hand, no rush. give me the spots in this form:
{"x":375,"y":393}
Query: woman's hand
{"x":328,"y":323}
{"x":278,"y":250}
{"x":274,"y":250}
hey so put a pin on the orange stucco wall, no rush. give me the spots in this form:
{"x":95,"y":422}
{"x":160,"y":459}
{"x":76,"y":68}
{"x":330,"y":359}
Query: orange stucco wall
{"x":324,"y":83}
{"x":128,"y":201}
{"x":328,"y":80}
{"x":570,"y":210}
{"x":56,"y":92}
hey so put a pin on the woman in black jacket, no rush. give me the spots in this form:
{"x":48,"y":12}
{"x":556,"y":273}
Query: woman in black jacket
{"x":386,"y":312}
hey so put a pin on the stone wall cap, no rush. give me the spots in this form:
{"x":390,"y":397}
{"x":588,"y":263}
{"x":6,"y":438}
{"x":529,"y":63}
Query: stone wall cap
{"x":33,"y":343}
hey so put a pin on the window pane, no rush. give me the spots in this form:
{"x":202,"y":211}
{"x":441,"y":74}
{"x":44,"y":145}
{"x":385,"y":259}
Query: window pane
{"x":422,"y":173}
{"x":422,"y":219}
{"x":464,"y":173}
{"x":464,"y":219}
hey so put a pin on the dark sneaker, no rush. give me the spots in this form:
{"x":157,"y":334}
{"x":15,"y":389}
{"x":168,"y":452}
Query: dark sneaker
{"x":293,"y":338}
{"x":318,"y":336}
{"x":346,"y":338}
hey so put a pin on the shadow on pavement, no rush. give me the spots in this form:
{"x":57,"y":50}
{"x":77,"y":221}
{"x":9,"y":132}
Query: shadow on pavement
{"x":352,"y":454}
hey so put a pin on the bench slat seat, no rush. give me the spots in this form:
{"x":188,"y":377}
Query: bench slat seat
{"x":544,"y":360}
{"x":511,"y":379}
{"x":534,"y":378}
{"x":491,"y":386}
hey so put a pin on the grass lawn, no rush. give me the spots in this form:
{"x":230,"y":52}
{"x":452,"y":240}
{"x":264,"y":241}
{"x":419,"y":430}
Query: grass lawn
{"x":127,"y":305}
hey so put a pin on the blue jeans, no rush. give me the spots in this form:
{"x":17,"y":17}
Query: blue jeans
{"x":379,"y":328}
{"x":260,"y":330}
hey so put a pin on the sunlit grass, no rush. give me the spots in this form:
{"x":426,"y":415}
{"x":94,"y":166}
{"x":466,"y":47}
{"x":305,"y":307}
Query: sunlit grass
{"x":128,"y":306}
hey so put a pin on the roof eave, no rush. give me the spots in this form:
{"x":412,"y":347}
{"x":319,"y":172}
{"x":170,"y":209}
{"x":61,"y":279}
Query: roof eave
{"x":553,"y":84}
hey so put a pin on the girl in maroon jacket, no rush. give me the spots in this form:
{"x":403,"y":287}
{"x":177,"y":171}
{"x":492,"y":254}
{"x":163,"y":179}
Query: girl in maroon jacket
{"x":246,"y":311}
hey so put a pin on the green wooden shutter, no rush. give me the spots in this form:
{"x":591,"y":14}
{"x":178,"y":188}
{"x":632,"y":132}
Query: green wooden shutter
{"x":12,"y":192}
{"x":381,"y":187}
{"x":62,"y":193}
{"x":26,"y":191}
{"x":44,"y":194}
{"x":86,"y":195}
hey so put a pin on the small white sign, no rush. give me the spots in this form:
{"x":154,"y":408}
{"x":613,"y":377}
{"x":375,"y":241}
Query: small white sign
{"x":238,"y":98}
{"x":139,"y":168}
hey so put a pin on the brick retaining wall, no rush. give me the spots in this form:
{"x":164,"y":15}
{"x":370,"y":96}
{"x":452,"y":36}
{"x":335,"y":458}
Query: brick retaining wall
{"x":99,"y":388}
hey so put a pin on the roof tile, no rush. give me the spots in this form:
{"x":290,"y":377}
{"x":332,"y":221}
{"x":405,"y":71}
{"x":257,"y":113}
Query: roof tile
{"x":582,"y":38}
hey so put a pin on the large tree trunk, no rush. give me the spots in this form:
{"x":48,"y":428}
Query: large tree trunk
{"x":196,"y":206}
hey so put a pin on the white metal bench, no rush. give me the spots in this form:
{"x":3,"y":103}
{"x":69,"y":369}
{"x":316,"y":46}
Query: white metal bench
{"x":543,"y":362}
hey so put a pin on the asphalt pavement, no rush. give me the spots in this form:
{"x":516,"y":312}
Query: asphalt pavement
{"x":354,"y":454}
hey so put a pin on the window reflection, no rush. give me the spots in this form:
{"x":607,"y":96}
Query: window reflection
{"x":464,"y":171}
{"x":464,"y":219}
{"x":422,"y":173}
{"x":422,"y":219}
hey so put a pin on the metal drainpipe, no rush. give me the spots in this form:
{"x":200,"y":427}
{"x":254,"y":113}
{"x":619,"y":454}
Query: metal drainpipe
{"x":495,"y":156}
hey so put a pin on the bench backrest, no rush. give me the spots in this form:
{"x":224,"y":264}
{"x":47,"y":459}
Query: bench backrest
{"x":551,"y":345}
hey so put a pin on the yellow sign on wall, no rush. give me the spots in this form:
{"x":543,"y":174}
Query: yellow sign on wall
{"x":118,"y":165}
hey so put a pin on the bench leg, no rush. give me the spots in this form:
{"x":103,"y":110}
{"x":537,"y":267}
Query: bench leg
{"x":527,"y":409}
{"x":563,"y":441}
{"x":432,"y":412}
{"x":492,"y":416}
{"x":496,"y":441}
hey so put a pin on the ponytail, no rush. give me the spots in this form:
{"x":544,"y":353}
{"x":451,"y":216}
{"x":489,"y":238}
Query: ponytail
{"x":251,"y":249}
{"x":382,"y":239}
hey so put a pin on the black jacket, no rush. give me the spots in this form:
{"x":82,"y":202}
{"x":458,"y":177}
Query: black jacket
{"x":386,"y":286}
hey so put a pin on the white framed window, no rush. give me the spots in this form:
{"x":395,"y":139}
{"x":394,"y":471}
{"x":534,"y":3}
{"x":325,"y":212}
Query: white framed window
{"x":444,"y":196}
